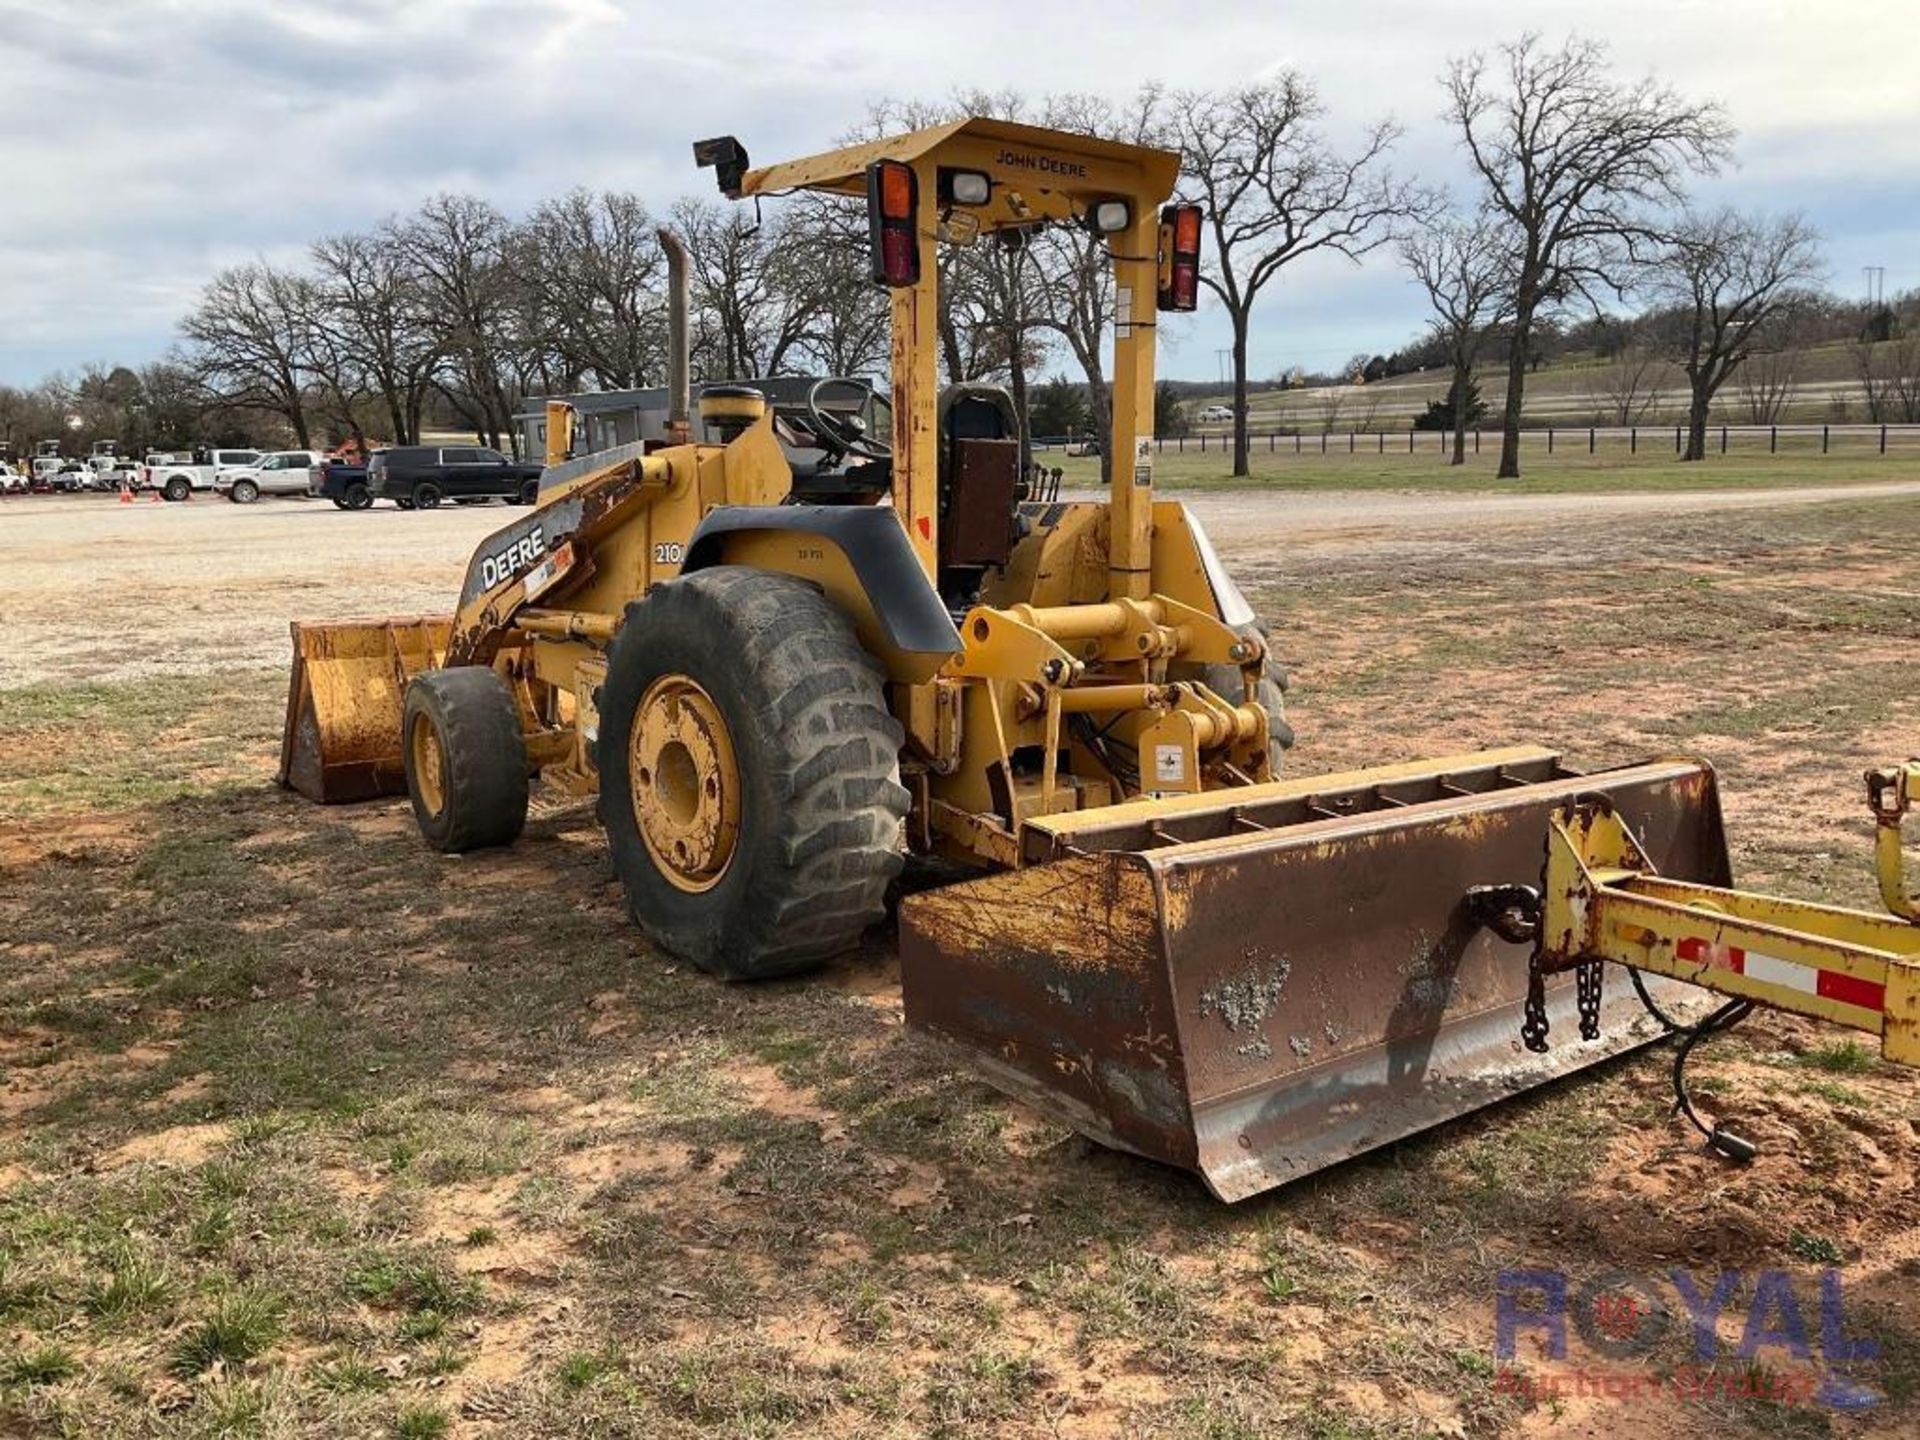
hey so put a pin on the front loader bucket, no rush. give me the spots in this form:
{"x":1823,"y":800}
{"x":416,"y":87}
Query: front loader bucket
{"x":1259,"y":983}
{"x":344,"y":703}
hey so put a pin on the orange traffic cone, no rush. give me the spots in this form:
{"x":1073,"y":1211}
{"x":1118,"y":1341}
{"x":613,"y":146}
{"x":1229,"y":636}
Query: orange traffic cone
{"x":126,"y":493}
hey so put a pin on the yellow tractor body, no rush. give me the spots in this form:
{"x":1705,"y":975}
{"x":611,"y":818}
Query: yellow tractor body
{"x":780,"y":678}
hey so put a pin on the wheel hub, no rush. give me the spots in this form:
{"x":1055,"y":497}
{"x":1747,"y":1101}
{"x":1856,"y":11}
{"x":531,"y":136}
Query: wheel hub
{"x":429,"y":764}
{"x":685,"y":782}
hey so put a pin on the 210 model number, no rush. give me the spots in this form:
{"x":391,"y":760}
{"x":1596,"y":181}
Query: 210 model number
{"x":668,"y":552}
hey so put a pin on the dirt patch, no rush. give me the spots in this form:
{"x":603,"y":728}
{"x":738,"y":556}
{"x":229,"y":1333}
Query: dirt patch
{"x":180,"y":1146}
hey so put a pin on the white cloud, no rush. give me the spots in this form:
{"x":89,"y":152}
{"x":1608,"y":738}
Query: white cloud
{"x":142,"y":145}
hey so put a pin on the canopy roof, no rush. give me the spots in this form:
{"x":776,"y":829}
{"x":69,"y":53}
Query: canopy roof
{"x":1061,"y":161}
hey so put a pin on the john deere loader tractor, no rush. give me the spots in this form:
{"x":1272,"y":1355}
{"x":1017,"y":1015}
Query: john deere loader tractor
{"x":781,"y":676}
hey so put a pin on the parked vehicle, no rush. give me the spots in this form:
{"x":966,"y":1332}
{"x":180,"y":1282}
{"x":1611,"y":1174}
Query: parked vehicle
{"x":71,"y":476}
{"x":123,"y":471}
{"x":178,"y":481}
{"x":108,"y":471}
{"x":284,"y":472}
{"x":342,"y":482}
{"x":421,"y":476}
{"x":45,"y":467}
{"x":1214,"y":413}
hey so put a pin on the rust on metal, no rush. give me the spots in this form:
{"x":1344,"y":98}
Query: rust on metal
{"x":1256,"y":1004}
{"x":345,"y":700}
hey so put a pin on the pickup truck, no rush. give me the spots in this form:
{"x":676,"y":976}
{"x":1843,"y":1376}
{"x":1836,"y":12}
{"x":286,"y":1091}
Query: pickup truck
{"x":342,"y":482}
{"x":178,"y":481}
{"x":284,"y":472}
{"x":419,"y":477}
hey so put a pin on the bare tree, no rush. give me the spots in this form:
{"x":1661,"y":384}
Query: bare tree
{"x":1889,"y":372}
{"x":1627,"y":388}
{"x":375,"y":303}
{"x":1366,"y":409}
{"x":1726,"y":274}
{"x":1767,"y":381}
{"x":249,"y":333}
{"x":457,"y":244}
{"x":753,"y":293}
{"x":591,"y":267}
{"x":333,"y":360}
{"x":1275,"y":191}
{"x":1573,"y":161}
{"x":1466,"y":269}
{"x":851,"y":330}
{"x":1328,"y":403}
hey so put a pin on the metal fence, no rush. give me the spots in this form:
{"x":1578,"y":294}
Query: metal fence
{"x":1650,"y":440}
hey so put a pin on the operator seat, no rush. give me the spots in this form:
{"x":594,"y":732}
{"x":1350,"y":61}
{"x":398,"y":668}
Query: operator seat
{"x":980,"y":487}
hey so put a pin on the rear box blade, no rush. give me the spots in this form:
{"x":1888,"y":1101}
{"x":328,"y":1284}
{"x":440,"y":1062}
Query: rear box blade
{"x":1298,"y":982}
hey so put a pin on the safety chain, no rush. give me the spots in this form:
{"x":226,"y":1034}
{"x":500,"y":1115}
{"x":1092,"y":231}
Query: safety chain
{"x":1533,"y":1029}
{"x":1586,"y":978}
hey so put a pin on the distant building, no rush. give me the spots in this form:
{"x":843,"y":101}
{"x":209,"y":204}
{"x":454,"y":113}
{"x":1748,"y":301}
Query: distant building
{"x":606,"y":418}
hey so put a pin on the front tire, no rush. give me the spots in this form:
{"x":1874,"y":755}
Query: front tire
{"x":749,"y":773}
{"x":530,"y":492}
{"x":466,"y":759}
{"x":244,"y":492}
{"x":426,"y":497}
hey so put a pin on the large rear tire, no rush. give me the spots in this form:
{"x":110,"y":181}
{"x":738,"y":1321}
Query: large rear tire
{"x":749,"y":773}
{"x":466,"y":760}
{"x":177,"y":489}
{"x":358,"y":497}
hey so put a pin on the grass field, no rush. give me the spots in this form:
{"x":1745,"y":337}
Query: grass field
{"x":307,"y":1131}
{"x":1573,"y":390}
{"x":1570,"y":472}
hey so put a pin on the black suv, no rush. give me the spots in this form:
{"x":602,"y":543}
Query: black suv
{"x":421,"y":476}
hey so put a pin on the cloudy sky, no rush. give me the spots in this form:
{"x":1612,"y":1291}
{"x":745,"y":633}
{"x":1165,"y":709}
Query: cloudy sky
{"x":144,"y":143}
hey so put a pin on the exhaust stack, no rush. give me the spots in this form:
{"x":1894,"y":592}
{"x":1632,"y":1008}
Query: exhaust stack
{"x":679,"y":383}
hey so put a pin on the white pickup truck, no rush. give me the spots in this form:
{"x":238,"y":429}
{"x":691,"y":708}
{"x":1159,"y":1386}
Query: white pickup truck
{"x":177,"y":480}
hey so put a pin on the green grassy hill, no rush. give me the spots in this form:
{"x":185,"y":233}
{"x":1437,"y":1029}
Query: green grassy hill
{"x":1575,"y":390}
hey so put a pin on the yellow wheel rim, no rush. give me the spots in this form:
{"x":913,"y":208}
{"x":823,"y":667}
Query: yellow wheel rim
{"x":429,"y":763}
{"x":685,"y":783}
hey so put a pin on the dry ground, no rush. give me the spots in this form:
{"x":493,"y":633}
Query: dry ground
{"x":305,"y":1130}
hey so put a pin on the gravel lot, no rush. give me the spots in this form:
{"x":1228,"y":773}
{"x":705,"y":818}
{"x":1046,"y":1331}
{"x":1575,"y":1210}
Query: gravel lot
{"x":125,"y":591}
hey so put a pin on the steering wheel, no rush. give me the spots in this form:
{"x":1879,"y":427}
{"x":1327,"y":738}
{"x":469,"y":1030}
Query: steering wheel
{"x":845,"y":433}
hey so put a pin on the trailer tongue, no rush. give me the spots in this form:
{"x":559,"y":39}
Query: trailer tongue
{"x":1254,"y":986}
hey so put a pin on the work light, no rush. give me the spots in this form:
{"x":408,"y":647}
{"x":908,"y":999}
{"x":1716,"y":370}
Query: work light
{"x":965,"y":187}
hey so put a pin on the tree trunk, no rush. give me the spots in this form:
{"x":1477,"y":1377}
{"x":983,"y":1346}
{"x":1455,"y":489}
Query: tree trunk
{"x":1516,"y":393}
{"x":1240,"y":467}
{"x":1697,"y":421}
{"x":1462,"y":381}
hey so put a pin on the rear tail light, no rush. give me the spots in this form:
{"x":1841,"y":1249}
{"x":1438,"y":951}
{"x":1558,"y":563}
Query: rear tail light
{"x":893,"y":208}
{"x":1179,"y":257}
